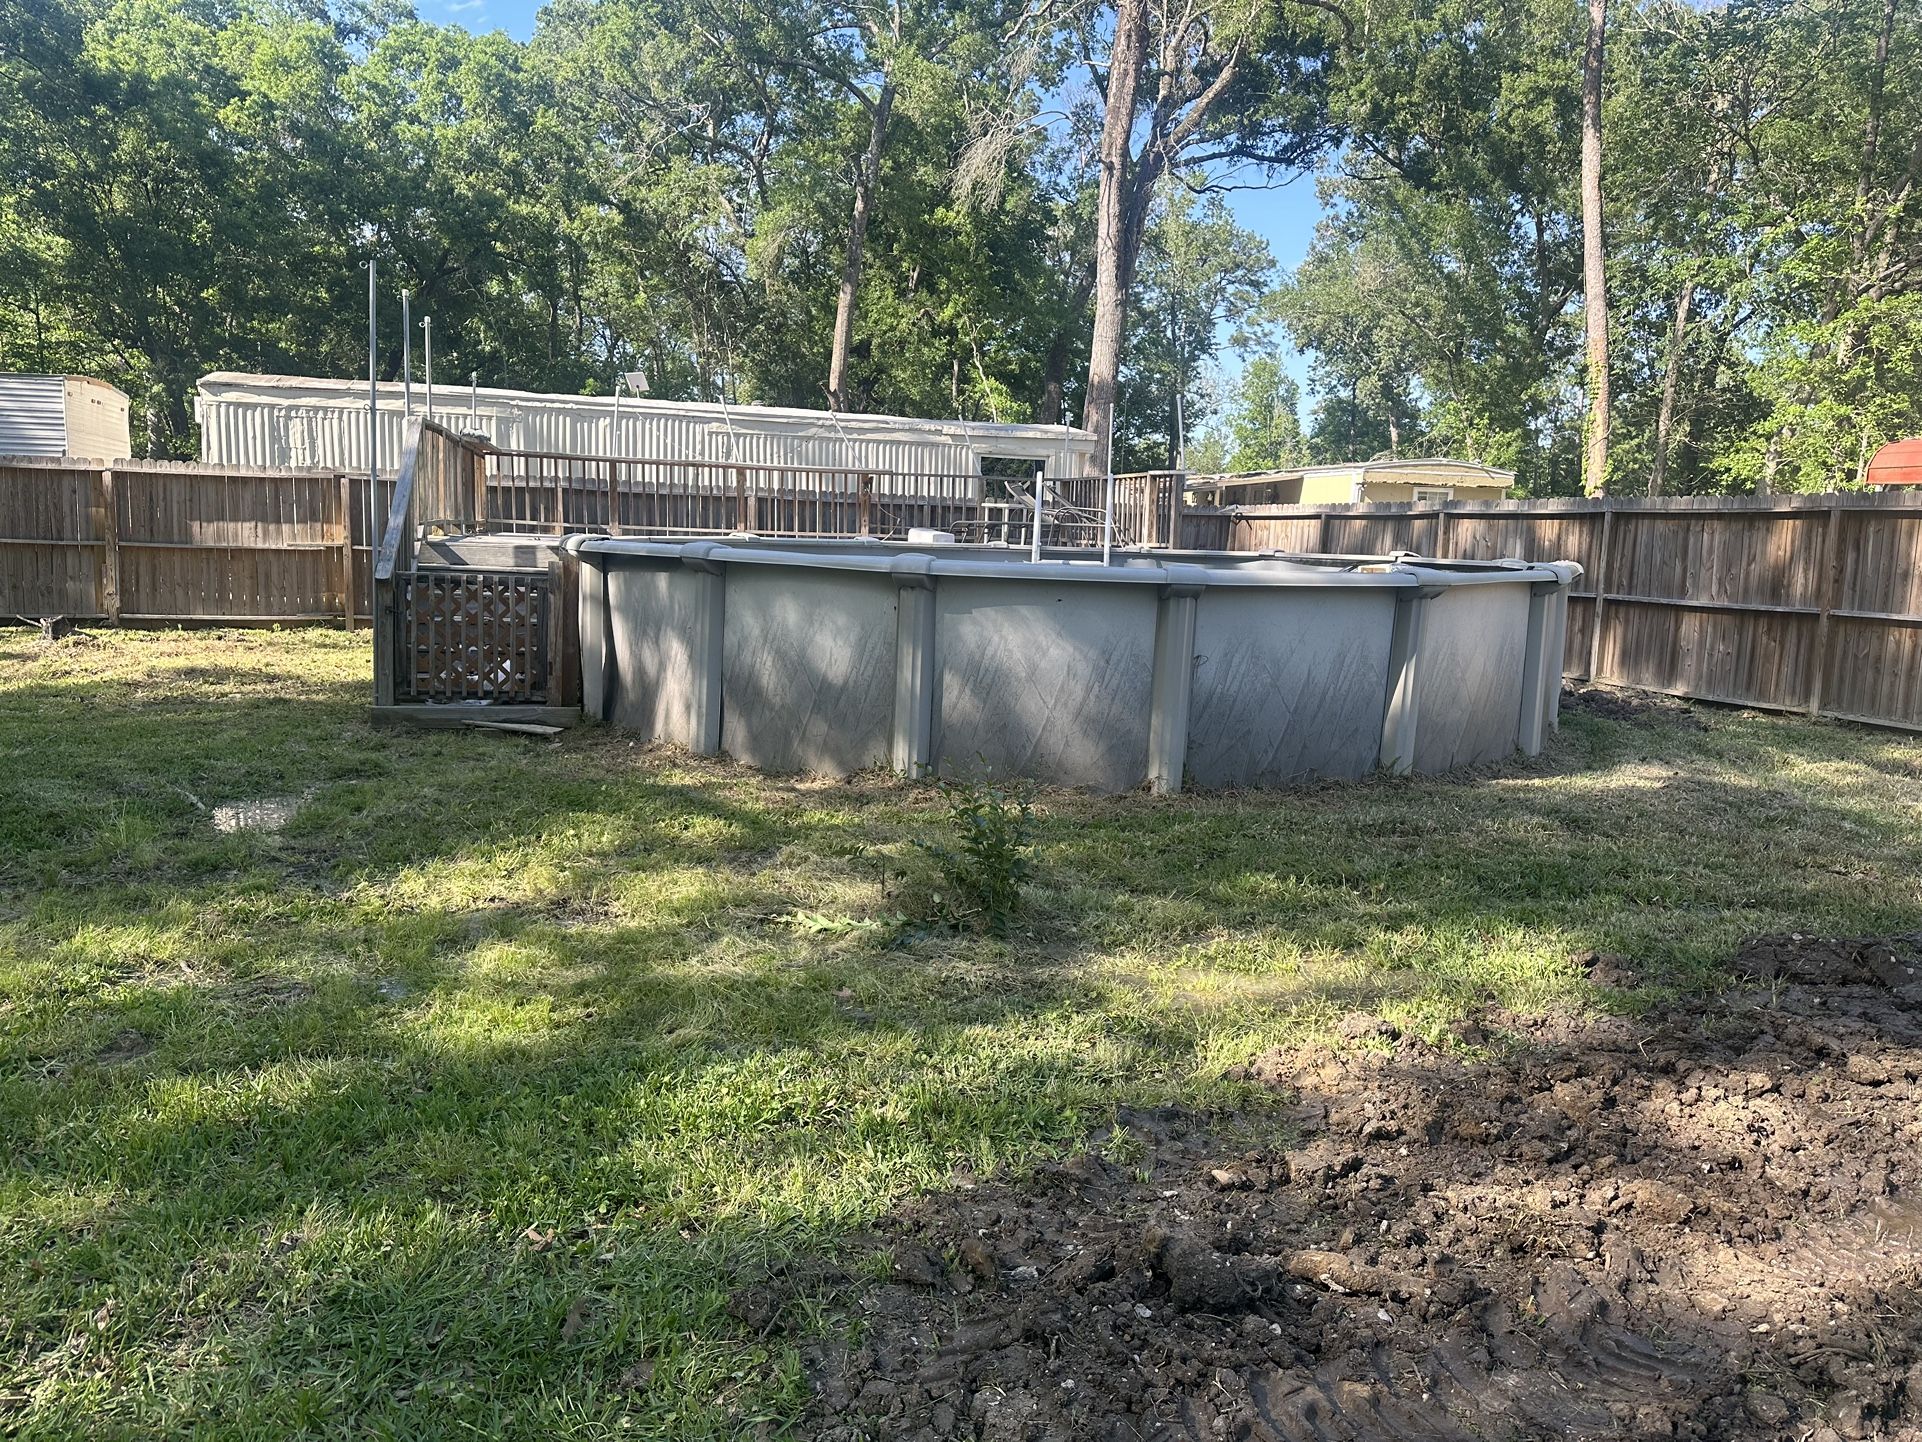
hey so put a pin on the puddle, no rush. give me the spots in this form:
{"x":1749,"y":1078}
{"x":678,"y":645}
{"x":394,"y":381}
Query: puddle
{"x":128,"y":1046}
{"x":263,"y":813}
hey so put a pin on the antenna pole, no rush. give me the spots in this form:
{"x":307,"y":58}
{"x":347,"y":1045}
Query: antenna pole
{"x":406,"y":355}
{"x":373,"y":429}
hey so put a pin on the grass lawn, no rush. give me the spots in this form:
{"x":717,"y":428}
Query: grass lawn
{"x":459,"y":1104}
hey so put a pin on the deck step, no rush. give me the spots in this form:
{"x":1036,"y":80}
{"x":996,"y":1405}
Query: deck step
{"x":487,"y":717}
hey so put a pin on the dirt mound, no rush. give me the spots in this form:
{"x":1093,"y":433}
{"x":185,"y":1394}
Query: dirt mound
{"x":1705,"y":1224}
{"x":1891,"y":961}
{"x":1643,"y":709}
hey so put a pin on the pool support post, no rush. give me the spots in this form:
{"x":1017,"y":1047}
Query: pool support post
{"x":708,"y":628}
{"x":911,"y":750}
{"x":1174,"y":683}
{"x":1402,"y":715}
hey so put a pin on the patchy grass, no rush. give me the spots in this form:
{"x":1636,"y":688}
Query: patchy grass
{"x":459,"y":1103}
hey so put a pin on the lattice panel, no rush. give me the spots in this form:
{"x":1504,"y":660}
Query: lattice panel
{"x":474,"y":636}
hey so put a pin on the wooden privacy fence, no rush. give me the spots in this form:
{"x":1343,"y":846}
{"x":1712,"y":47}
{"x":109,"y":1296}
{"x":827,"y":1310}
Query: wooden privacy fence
{"x":1794,"y":603}
{"x":1810,"y":603}
{"x":177,"y":541}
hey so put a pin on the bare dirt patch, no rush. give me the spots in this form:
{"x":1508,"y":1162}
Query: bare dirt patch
{"x":1706,"y":1223}
{"x":1641,"y":708}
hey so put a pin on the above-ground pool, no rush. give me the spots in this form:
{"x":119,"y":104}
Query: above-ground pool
{"x":1163,"y":669}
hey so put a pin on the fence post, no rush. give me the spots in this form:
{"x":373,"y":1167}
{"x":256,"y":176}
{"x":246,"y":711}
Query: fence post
{"x":1440,"y":552}
{"x":741,"y":518}
{"x":347,"y":607}
{"x":1601,"y":588}
{"x":109,"y":549}
{"x":1830,"y":577}
{"x":864,"y":504}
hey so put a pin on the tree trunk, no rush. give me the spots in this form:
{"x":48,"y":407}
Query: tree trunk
{"x":1594,"y":266}
{"x":1112,"y":248}
{"x":1671,"y":383}
{"x":865,"y":186}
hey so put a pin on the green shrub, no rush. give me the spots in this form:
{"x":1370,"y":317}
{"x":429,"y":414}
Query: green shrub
{"x":982,"y":869}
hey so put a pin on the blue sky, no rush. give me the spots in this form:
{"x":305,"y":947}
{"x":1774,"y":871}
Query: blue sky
{"x":1284,"y":215}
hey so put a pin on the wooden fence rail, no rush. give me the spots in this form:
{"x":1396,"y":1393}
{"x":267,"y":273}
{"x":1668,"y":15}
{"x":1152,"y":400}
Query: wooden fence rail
{"x":1793,"y":603}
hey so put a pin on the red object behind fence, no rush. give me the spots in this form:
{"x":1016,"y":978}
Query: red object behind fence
{"x":1899,"y":463}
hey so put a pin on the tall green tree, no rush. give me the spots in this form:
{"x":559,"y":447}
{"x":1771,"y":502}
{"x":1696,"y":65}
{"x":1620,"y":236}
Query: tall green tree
{"x":1189,"y":86}
{"x":1259,"y":428}
{"x":1199,"y":289}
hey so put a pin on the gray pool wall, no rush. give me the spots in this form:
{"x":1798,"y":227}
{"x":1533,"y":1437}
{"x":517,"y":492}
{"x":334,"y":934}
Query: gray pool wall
{"x":1253,"y":670}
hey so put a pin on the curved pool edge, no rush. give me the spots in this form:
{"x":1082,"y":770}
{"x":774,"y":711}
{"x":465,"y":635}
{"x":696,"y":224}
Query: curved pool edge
{"x":1252,"y":670}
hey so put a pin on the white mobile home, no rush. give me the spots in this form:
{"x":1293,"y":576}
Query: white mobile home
{"x":1424,"y":482}
{"x":63,"y":416}
{"x":263,"y":420}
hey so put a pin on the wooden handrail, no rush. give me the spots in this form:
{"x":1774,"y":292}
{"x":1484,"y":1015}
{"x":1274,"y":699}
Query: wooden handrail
{"x":401,"y":505}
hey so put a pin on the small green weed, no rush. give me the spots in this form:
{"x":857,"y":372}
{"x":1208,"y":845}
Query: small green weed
{"x":983,"y":870}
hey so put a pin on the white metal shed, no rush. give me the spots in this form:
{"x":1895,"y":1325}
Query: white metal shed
{"x":63,"y":416}
{"x":264,"y":420}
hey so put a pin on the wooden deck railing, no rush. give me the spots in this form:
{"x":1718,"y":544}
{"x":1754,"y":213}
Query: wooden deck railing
{"x":437,"y":487}
{"x":552,"y":493}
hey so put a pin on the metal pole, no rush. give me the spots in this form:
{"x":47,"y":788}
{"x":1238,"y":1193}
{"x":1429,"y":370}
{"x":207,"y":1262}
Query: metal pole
{"x":406,"y":355}
{"x":1040,"y":471}
{"x":1181,"y":428}
{"x":373,"y":435}
{"x":427,"y":332}
{"x":1107,"y":523}
{"x":614,"y":441}
{"x":473,"y":399}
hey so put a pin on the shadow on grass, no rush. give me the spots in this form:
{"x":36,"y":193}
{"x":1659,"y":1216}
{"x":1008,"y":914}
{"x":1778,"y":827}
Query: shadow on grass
{"x":469,"y":1099}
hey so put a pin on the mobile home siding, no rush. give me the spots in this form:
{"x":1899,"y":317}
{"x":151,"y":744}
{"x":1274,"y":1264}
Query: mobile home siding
{"x":97,"y":420}
{"x":248,"y":420}
{"x":62,"y":416}
{"x":33,"y":416}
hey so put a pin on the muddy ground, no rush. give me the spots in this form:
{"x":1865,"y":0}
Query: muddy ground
{"x":1642,"y":707}
{"x":1704,"y":1223}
